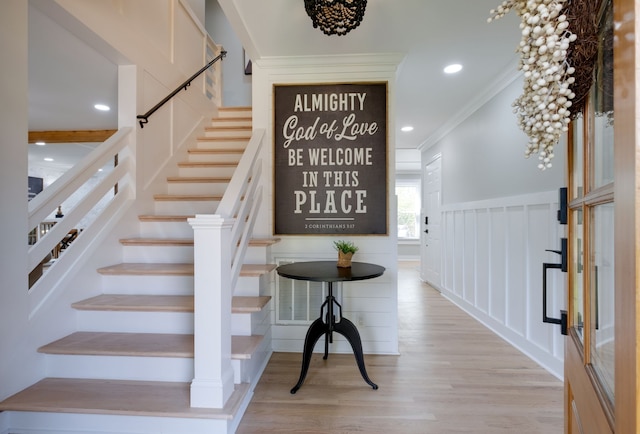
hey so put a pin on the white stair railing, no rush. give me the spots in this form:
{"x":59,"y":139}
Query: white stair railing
{"x":84,"y":189}
{"x":242,"y":200}
{"x":220,"y":242}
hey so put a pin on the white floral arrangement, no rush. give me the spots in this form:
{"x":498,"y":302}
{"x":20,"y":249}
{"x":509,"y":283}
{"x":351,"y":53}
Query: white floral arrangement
{"x":543,"y":109}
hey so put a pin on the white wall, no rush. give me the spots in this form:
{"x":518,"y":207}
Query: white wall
{"x":17,"y":362}
{"x":237,"y":85}
{"x":372,"y":304}
{"x":483,"y":157}
{"x":498,"y":217}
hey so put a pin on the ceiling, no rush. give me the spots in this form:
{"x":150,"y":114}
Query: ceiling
{"x":430,"y":33}
{"x":67,"y":77}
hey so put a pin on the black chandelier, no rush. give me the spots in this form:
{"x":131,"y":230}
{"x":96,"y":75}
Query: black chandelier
{"x":335,"y":17}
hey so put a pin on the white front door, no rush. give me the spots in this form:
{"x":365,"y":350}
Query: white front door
{"x":430,"y":238}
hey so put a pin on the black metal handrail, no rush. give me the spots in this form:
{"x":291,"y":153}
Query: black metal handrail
{"x":143,"y":119}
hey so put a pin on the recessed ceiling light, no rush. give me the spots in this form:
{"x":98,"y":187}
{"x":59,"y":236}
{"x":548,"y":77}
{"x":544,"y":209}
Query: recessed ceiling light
{"x":40,"y":143}
{"x":453,"y":68}
{"x":48,"y":159}
{"x":407,"y":128}
{"x":102,"y":107}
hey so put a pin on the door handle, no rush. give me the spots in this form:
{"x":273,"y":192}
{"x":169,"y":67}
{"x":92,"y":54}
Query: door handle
{"x":563,"y":267}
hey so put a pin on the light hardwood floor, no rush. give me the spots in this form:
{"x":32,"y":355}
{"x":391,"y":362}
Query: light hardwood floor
{"x":452,"y":376}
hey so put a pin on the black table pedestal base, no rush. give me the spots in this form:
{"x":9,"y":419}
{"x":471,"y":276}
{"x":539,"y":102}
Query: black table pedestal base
{"x":319,"y":327}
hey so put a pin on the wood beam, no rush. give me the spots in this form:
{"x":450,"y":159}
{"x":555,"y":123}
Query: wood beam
{"x":73,"y":136}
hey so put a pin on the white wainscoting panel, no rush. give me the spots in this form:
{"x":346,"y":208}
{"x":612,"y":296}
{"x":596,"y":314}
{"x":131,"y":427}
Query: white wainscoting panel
{"x":492,"y":256}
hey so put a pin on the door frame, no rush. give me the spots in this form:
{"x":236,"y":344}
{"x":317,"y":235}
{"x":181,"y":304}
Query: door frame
{"x":627,"y":202}
{"x":584,"y":408}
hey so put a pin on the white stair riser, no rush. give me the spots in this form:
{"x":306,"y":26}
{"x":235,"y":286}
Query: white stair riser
{"x":228,"y":133}
{"x":218,"y":157}
{"x":257,"y":255}
{"x":135,"y":322}
{"x":120,"y":367}
{"x":180,"y":229}
{"x":247,"y":286}
{"x":256,"y":323}
{"x":186,"y":207}
{"x":237,"y":112}
{"x":242,"y":324}
{"x":261,"y":322}
{"x":71,"y":423}
{"x":234,"y":123}
{"x":148,"y":285}
{"x":222,"y":144}
{"x":161,"y":254}
{"x":217,"y":188}
{"x":206,"y":171}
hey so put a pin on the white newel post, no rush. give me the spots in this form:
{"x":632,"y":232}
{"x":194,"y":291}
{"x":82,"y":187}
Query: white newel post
{"x":212,"y":384}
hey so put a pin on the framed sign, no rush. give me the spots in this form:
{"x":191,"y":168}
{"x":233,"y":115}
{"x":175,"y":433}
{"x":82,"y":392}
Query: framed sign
{"x":330,"y":159}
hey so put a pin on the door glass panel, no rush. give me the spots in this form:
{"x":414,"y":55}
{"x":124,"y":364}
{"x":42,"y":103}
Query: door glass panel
{"x":577,"y":272}
{"x":602,"y":160}
{"x":602,"y":296}
{"x":577,"y":184}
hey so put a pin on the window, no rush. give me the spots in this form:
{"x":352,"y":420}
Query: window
{"x":408,"y":194}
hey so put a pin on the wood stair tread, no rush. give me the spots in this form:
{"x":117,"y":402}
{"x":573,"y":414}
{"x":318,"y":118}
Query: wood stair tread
{"x":200,"y":179}
{"x":256,"y":242}
{"x":223,"y":139}
{"x":243,"y":347}
{"x":156,"y":241}
{"x":241,"y":128}
{"x":174,"y":269}
{"x":263,"y":241}
{"x":164,"y":218}
{"x":247,"y":304}
{"x":232,"y":118}
{"x":162,"y":303}
{"x":206,"y":164}
{"x":122,"y":344}
{"x":137,"y":303}
{"x":141,"y":345}
{"x":234,"y":108}
{"x":215,"y":151}
{"x":187,"y":197}
{"x":118,"y":397}
{"x":145,"y":269}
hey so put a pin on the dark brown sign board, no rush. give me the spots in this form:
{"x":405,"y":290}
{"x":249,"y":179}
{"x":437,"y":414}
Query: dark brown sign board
{"x":330,"y":159}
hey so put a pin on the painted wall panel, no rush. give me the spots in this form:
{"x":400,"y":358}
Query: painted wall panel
{"x":482,"y":260}
{"x":447,"y":251}
{"x":469,"y":255}
{"x":506,"y":239}
{"x":458,"y":251}
{"x":516,"y":289}
{"x":189,"y":43}
{"x":152,"y":21}
{"x":497,"y":303}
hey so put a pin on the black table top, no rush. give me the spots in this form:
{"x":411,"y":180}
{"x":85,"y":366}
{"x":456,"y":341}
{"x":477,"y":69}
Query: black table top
{"x":328,"y":271}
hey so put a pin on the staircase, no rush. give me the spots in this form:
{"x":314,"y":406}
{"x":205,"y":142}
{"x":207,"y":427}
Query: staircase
{"x":131,"y":361}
